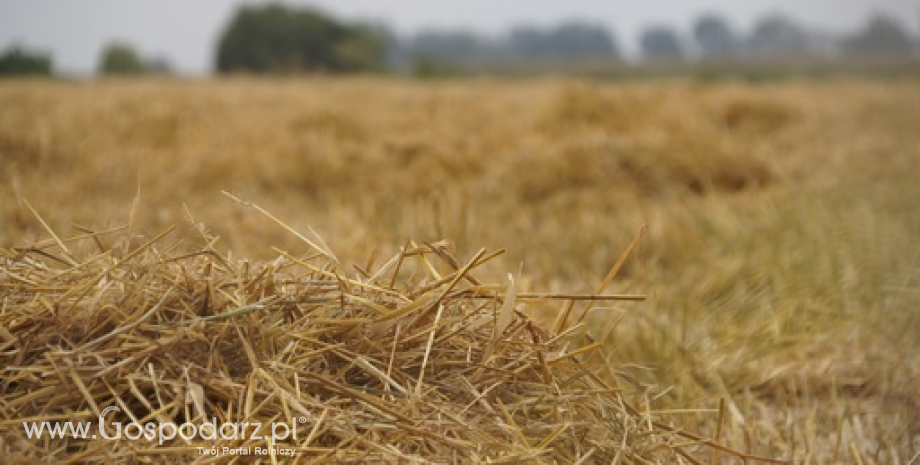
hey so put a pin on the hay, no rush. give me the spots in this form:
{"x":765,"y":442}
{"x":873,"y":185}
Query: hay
{"x":414,"y":360}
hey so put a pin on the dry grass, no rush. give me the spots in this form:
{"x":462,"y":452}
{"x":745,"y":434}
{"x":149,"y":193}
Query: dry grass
{"x":781,"y":256}
{"x":377,"y":368}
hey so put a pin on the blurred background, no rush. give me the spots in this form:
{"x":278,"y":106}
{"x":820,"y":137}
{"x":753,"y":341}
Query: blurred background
{"x":412,"y":37}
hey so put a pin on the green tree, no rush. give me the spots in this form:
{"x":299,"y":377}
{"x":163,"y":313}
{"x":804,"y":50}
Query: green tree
{"x":362,"y":48}
{"x":276,"y":38}
{"x":120,"y":59}
{"x":19,"y":62}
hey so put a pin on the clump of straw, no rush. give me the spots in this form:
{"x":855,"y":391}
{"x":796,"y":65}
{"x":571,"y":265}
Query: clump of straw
{"x":413,"y":360}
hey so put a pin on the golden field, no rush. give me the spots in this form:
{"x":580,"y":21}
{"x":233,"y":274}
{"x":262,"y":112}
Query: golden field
{"x":781,"y":220}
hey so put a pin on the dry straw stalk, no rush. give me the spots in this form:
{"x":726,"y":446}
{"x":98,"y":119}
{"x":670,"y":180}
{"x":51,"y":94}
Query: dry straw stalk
{"x":418,"y":361}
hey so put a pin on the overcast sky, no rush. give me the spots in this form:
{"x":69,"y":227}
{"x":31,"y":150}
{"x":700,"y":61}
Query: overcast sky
{"x":184,"y":32}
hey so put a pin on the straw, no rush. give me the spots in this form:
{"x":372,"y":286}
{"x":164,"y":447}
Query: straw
{"x":377,"y":370}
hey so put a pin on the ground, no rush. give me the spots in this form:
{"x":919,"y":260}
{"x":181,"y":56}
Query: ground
{"x":780,"y":223}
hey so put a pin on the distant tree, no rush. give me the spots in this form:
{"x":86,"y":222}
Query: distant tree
{"x":660,"y":43}
{"x":579,"y":39}
{"x":528,"y":41}
{"x":715,"y":38}
{"x":777,"y":36}
{"x":461,"y":47}
{"x":882,"y":36}
{"x":452,"y":52}
{"x":570,"y":40}
{"x":18,"y":62}
{"x":363,"y":48}
{"x":120,"y":59}
{"x":276,"y":38}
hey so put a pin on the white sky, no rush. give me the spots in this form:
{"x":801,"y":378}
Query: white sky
{"x":185,"y":31}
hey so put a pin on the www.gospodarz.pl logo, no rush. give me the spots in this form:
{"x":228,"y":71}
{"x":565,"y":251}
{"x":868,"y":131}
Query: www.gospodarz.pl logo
{"x":161,"y":432}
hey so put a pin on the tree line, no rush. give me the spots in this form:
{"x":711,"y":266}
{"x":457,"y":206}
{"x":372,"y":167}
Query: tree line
{"x":280,"y":39}
{"x":774,"y":37}
{"x":777,"y":37}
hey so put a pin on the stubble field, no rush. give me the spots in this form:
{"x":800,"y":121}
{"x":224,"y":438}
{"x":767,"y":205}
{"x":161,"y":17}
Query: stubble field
{"x":779,"y":221}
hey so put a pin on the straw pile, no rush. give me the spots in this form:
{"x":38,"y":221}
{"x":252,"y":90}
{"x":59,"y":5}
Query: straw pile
{"x":411,"y":359}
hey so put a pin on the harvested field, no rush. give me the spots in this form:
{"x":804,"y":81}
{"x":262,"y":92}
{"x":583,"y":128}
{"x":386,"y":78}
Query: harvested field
{"x":772,"y":228}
